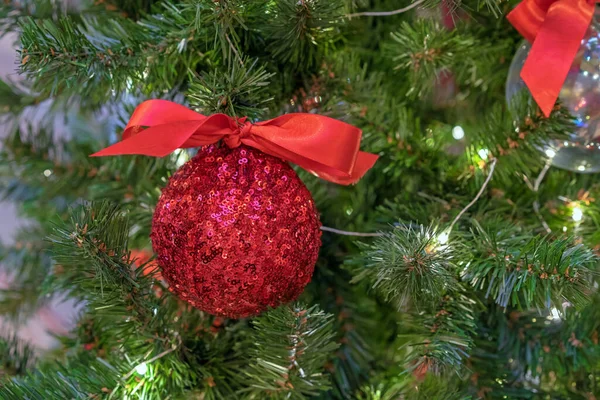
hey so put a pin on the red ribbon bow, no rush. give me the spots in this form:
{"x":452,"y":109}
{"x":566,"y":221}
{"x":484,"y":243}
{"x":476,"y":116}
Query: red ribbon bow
{"x":556,"y":29}
{"x":325,"y":146}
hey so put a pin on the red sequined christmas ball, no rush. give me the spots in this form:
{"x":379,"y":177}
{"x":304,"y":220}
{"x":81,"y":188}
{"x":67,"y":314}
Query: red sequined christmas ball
{"x":235,"y":232}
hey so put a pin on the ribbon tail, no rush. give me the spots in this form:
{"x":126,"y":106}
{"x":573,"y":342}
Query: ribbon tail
{"x":156,"y":141}
{"x":554,"y":50}
{"x":364,"y":162}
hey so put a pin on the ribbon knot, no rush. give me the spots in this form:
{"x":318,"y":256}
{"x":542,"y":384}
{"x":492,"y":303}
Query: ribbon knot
{"x":555,"y":28}
{"x":324,"y":146}
{"x":241,"y":131}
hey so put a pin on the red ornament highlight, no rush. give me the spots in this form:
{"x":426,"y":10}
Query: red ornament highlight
{"x":236,"y":232}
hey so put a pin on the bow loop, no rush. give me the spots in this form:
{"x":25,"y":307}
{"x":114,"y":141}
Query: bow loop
{"x":327,"y":147}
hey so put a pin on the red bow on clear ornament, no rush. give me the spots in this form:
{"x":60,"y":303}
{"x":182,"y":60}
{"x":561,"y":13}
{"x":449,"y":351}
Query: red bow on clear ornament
{"x":555,"y":28}
{"x":324,"y":146}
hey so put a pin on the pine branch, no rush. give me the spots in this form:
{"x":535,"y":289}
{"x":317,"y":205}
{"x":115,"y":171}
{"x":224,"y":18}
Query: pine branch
{"x":430,"y":56}
{"x":17,"y":356}
{"x":406,"y":387}
{"x":424,"y":49}
{"x":290,"y":347}
{"x":228,"y":22}
{"x":78,"y":379}
{"x":97,"y":234}
{"x":302,"y":32}
{"x":534,"y":348}
{"x":24,"y":267}
{"x":14,"y":99}
{"x":527,"y":271}
{"x":241,"y":92}
{"x":12,"y":10}
{"x":51,"y":174}
{"x":492,"y":6}
{"x":61,"y":57}
{"x":407,"y":265}
{"x":443,"y":337}
{"x":92,"y":252}
{"x":385,"y":388}
{"x":101,"y":56}
{"x":356,"y":333}
{"x":134,"y":9}
{"x":437,"y":388}
{"x":518,"y":147}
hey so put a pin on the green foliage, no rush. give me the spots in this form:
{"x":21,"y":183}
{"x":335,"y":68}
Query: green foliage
{"x":98,"y":236}
{"x":12,"y":10}
{"x":356,"y":334}
{"x":47,"y":175}
{"x":99,"y":56}
{"x":290,"y":347}
{"x":134,"y":9}
{"x":240,"y":93}
{"x":62,"y":57}
{"x":405,"y":387}
{"x":515,"y":136}
{"x":426,"y":48}
{"x":408,"y":266}
{"x":17,"y":357}
{"x":522,"y":270}
{"x":533,"y":349}
{"x":76,"y":380}
{"x":25,"y":266}
{"x":227,"y":21}
{"x":130,"y":309}
{"x":504,"y":309}
{"x":297,"y":38}
{"x":445,"y":340}
{"x":13,"y":99}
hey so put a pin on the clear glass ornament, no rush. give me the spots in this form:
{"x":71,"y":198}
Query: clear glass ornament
{"x":581,"y":95}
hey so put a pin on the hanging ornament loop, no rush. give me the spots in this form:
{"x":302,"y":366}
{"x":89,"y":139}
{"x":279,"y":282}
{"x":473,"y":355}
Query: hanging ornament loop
{"x":555,"y":28}
{"x":324,"y":146}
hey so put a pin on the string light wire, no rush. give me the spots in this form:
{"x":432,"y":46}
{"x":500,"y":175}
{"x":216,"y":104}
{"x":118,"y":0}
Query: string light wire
{"x":444,"y":235}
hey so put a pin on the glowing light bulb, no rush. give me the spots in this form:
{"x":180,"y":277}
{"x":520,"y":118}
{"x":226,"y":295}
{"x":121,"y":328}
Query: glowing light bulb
{"x":142,"y":369}
{"x":47,"y":173}
{"x":550,"y":153}
{"x":458,"y":132}
{"x":577,"y":214}
{"x":483,"y":153}
{"x":443,"y":238}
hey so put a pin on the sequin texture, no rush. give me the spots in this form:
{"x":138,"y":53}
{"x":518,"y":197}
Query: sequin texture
{"x":235,"y":232}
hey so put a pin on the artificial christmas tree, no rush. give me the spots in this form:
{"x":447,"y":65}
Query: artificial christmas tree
{"x":462,"y":265}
